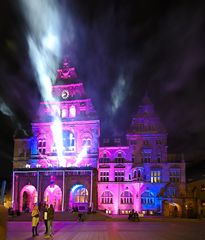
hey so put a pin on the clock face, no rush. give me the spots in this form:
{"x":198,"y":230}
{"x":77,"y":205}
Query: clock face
{"x":65,"y":94}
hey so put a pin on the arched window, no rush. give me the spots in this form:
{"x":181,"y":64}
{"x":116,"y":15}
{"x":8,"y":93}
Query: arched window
{"x":119,"y":158}
{"x":42,"y":146}
{"x":53,"y":195}
{"x":126,"y":198}
{"x":64,"y":113}
{"x":107,"y":197}
{"x":68,"y":140}
{"x":86,"y":142}
{"x":135,"y":174}
{"x":147,"y":198}
{"x":81,"y":195}
{"x":139,"y":174}
{"x":72,"y":111}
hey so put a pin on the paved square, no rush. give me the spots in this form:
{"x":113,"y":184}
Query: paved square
{"x":98,"y":230}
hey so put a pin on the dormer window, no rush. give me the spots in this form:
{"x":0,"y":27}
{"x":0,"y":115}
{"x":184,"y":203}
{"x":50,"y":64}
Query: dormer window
{"x":119,"y":158}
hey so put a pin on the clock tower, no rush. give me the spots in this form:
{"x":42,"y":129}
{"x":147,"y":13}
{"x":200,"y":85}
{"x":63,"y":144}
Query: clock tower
{"x":80,"y":124}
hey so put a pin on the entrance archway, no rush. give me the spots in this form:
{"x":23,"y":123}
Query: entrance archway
{"x":175,"y":210}
{"x":171,"y":209}
{"x":78,"y":197}
{"x":28,"y":198}
{"x":53,"y":195}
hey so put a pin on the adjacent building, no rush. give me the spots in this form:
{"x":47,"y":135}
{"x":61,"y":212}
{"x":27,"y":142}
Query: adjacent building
{"x":195,"y":203}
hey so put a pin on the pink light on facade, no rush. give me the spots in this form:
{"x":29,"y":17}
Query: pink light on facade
{"x":53,"y":195}
{"x":56,"y":128}
{"x":32,"y":196}
{"x":81,"y":155}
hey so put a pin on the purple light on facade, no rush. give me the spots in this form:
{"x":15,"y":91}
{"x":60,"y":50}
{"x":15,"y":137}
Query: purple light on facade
{"x":30,"y":192}
{"x":53,"y":195}
{"x":81,"y":155}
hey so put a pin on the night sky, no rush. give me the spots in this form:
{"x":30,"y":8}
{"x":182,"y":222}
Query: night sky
{"x":121,"y":49}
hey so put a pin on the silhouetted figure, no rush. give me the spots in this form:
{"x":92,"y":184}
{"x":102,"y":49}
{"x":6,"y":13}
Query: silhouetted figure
{"x":45,"y":217}
{"x":133,"y":216}
{"x":50,"y":219}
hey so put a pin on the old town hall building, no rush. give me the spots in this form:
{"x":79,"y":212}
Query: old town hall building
{"x":63,"y":163}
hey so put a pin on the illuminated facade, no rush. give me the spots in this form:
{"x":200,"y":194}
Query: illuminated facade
{"x":64,"y":164}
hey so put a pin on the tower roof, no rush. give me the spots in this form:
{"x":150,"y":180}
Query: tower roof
{"x":146,"y":120}
{"x":66,"y":74}
{"x":146,"y":100}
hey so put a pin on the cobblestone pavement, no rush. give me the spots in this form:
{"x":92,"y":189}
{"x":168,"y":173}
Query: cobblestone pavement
{"x":99,"y":230}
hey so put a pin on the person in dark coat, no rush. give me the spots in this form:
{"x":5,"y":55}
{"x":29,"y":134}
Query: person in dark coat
{"x":50,"y":219}
{"x":45,"y":218}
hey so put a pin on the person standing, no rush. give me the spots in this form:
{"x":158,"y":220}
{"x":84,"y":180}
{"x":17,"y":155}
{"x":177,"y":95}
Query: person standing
{"x":35,"y":221}
{"x":50,"y":219}
{"x":45,"y":218}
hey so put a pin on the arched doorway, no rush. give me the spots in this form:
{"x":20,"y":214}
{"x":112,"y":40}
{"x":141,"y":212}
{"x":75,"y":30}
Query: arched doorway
{"x":171,"y":209}
{"x":79,"y":197}
{"x":53,"y":195}
{"x":28,"y":198}
{"x":175,"y":209}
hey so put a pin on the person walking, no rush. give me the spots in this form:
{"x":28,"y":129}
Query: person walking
{"x":45,"y":217}
{"x":35,"y":221}
{"x":50,"y":220}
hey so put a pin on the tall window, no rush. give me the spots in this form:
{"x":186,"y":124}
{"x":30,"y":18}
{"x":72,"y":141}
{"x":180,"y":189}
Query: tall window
{"x":42,"y":146}
{"x":107,"y":197}
{"x":72,"y":111}
{"x":126,"y":198}
{"x":155,"y":176}
{"x":104,"y":176}
{"x":64,"y":113}
{"x":68,"y":140}
{"x":81,"y":195}
{"x":147,"y":198}
{"x":119,"y":176}
{"x":174,"y":175}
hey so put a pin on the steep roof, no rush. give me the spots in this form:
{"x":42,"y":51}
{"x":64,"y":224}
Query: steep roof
{"x":66,"y":74}
{"x":146,"y":119}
